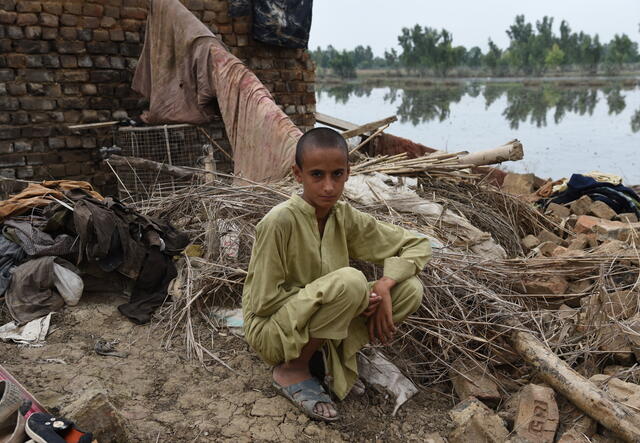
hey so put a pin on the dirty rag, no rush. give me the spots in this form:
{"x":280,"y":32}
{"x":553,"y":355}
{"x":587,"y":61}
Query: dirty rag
{"x":38,"y":195}
{"x":11,"y":255}
{"x":31,"y":333}
{"x":34,"y":290}
{"x":184,"y":74}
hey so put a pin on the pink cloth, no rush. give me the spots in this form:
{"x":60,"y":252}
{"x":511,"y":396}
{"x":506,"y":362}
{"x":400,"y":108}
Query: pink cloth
{"x":183,"y":67}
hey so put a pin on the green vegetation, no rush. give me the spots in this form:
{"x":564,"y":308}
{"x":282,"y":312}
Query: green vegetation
{"x":533,"y":51}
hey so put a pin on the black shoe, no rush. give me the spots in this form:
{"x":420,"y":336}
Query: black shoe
{"x":45,"y":428}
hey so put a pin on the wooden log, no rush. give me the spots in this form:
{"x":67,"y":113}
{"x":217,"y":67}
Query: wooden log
{"x":375,"y":134}
{"x":94,"y":125}
{"x":369,"y":127}
{"x":334,"y":122}
{"x":618,"y":418}
{"x":209,"y":164}
{"x":143,"y":163}
{"x":509,"y":151}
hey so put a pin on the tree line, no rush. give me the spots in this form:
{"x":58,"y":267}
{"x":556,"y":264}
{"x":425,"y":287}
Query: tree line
{"x":533,"y":50}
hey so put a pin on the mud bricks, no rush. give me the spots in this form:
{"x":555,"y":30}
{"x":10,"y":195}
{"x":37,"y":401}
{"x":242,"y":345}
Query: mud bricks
{"x":71,"y":61}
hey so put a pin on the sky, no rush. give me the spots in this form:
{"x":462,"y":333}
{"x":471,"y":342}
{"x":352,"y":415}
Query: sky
{"x":348,"y":23}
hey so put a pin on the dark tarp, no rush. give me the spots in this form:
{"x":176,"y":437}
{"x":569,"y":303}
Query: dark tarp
{"x":285,"y":23}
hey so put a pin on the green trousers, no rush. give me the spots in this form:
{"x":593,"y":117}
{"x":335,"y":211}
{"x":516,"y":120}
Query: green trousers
{"x":328,"y":308}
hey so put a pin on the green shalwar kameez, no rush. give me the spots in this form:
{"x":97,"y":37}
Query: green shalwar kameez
{"x":300,"y":285}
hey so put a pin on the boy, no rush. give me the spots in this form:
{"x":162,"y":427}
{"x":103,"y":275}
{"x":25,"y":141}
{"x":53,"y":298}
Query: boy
{"x":301,"y":295}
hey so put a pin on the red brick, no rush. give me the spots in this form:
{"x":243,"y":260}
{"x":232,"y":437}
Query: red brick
{"x":52,"y":7}
{"x":101,"y":35}
{"x":50,"y":33}
{"x":91,"y":22}
{"x":222,"y":18}
{"x":68,"y":32}
{"x":225,"y":29}
{"x":108,"y":22}
{"x":585,"y":224}
{"x":73,"y":8}
{"x":242,"y":27}
{"x":229,"y":39}
{"x":116,"y":35}
{"x":130,"y":25}
{"x":135,"y":13}
{"x":242,"y":40}
{"x":16,"y":61}
{"x":112,"y":11}
{"x":49,"y":20}
{"x":218,"y":5}
{"x":7,"y":17}
{"x":26,"y":19}
{"x":69,"y":20}
{"x":92,"y":10}
{"x":24,"y":6}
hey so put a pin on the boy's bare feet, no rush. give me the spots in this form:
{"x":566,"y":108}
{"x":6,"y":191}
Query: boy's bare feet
{"x":287,"y":376}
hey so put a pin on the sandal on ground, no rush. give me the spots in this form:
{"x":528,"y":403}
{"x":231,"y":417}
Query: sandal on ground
{"x":306,"y":395}
{"x":358,"y":389}
{"x":10,"y":400}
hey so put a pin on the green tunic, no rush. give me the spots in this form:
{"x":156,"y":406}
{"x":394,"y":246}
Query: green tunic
{"x":289,"y":254}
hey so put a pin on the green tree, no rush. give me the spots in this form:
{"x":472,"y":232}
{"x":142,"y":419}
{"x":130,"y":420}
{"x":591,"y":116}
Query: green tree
{"x":619,"y":51}
{"x":555,"y":57}
{"x":391,"y":59}
{"x":493,"y":59}
{"x":590,"y":51}
{"x":473,"y":57}
{"x":427,"y":48}
{"x":343,"y":64}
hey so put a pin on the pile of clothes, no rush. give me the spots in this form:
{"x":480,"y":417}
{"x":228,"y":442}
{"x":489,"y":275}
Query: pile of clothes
{"x":61,"y":239}
{"x":607,"y":188}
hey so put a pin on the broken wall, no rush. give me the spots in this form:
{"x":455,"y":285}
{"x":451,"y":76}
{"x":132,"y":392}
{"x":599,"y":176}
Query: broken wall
{"x":71,"y":62}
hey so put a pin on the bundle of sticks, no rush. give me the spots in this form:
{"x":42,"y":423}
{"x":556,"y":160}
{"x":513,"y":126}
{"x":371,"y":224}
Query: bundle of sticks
{"x":401,"y":164}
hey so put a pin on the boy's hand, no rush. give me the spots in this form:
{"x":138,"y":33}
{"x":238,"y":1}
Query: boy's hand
{"x":381,"y":322}
{"x":374,"y":300}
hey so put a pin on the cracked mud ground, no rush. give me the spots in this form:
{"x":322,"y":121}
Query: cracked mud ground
{"x":164,"y":397}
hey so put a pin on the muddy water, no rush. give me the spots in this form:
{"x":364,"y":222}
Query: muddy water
{"x":564,"y":128}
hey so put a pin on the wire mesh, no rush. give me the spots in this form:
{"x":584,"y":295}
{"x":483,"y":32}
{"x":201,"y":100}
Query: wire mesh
{"x":175,"y":145}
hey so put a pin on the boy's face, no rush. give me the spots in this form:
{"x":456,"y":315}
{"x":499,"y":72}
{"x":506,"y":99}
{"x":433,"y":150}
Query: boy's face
{"x":323,"y":174}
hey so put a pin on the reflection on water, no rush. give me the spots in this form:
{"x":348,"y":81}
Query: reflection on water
{"x":523,"y":103}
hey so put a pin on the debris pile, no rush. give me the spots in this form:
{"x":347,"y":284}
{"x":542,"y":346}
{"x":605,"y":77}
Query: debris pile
{"x":61,"y":239}
{"x":487,"y":316}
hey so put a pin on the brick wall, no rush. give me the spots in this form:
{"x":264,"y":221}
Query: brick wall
{"x":71,"y":62}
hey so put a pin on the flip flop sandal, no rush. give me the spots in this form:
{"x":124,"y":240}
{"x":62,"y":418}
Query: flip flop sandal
{"x":306,"y":395}
{"x":358,"y":388}
{"x":16,"y":432}
{"x":10,"y":401}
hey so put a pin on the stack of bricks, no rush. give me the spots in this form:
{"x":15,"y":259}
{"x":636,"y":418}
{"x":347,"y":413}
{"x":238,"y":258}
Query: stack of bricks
{"x":71,"y":62}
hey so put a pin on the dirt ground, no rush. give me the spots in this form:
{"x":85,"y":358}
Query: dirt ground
{"x":166,"y":398}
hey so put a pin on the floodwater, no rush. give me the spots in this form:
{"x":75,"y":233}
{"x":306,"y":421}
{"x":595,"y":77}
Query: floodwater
{"x":564,"y":128}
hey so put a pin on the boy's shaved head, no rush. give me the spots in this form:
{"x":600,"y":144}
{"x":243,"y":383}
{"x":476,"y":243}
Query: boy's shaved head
{"x":323,"y":138}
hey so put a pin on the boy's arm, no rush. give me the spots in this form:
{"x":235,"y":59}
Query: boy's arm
{"x":267,"y":270}
{"x":402,"y":253}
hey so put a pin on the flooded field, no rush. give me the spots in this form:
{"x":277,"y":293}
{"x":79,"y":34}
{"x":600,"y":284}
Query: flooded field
{"x":565,"y":128}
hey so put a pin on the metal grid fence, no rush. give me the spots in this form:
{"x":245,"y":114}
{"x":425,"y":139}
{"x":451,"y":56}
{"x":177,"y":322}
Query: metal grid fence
{"x":176,"y":145}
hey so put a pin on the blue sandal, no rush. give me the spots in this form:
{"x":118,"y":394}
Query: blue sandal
{"x":306,"y":395}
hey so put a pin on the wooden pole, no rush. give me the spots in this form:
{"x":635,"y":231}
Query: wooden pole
{"x":617,"y":417}
{"x":143,"y":163}
{"x":368,"y":127}
{"x":508,"y":152}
